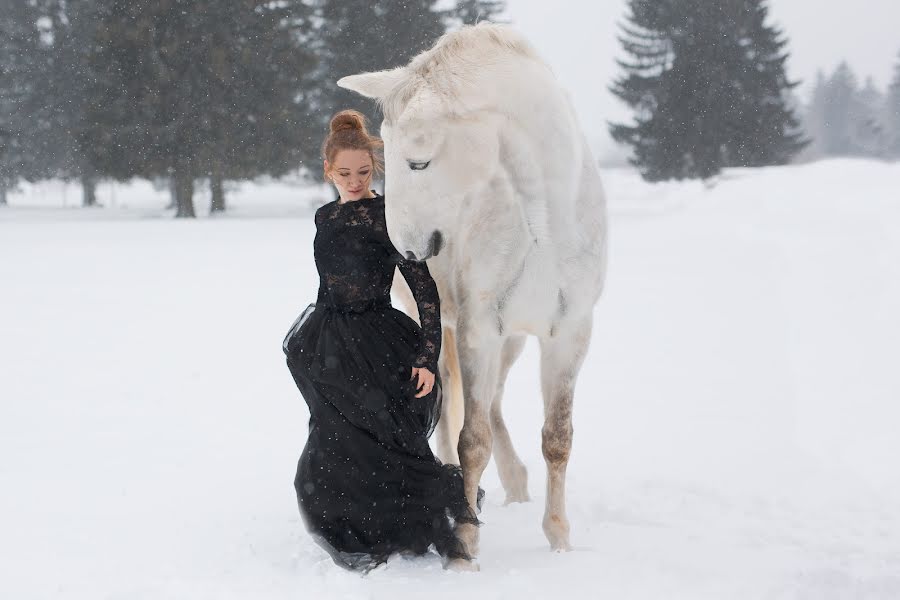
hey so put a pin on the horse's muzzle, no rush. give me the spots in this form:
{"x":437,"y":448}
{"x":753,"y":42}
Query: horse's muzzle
{"x":435,"y":243}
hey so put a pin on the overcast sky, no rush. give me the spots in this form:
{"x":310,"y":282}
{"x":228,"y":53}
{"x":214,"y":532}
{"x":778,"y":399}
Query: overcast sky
{"x":578,"y":39}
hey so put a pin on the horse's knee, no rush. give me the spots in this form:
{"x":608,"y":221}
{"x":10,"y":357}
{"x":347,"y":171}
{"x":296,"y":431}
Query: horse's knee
{"x":475,"y":443}
{"x":556,"y":443}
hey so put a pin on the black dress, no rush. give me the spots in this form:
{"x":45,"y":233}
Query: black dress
{"x":367,"y":483}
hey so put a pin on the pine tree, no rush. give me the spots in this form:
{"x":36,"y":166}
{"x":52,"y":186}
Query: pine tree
{"x":841,"y":109}
{"x":868,"y":125}
{"x":470,"y":12}
{"x":708,"y":87}
{"x":197,"y":89}
{"x":22,"y":53}
{"x":766,"y":128}
{"x":70,"y":31}
{"x":364,"y":35}
{"x":846,"y":120}
{"x":892,"y":114}
{"x":256,"y":75}
{"x":814,"y":118}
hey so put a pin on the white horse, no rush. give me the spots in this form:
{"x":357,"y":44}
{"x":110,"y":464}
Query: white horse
{"x":489,"y":177}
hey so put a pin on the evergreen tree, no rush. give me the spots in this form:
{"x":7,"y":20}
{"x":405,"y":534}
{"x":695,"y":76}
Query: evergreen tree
{"x":708,"y":87}
{"x":22,"y":51}
{"x":470,"y":12}
{"x":364,"y":35}
{"x":190,"y":89}
{"x":70,"y":31}
{"x":869,"y":127}
{"x":765,"y":124}
{"x":840,"y":110}
{"x":814,"y":117}
{"x":892,"y":114}
{"x":846,"y":120}
{"x":258,"y":67}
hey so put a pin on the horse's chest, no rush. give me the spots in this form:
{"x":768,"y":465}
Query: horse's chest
{"x":519,"y":298}
{"x":528,"y":308}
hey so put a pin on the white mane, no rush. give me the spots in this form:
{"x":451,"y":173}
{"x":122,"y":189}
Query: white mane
{"x":453,"y":63}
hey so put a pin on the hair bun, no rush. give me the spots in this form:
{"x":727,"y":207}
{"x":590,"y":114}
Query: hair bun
{"x":348,"y":120}
{"x":348,"y":132}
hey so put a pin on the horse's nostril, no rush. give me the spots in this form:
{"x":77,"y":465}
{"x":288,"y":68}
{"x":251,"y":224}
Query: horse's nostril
{"x":410,"y":255}
{"x":437,"y":241}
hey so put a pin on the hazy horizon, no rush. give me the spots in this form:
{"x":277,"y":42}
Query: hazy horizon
{"x":581,"y":46}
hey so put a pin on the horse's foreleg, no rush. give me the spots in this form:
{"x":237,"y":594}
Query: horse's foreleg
{"x":561,"y":359}
{"x":479,"y":357}
{"x":450,"y":423}
{"x":513,"y":474}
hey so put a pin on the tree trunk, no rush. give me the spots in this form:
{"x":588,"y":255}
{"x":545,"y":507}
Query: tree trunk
{"x":184,"y":190}
{"x":218,"y":192}
{"x":2,"y":194}
{"x":89,"y":191}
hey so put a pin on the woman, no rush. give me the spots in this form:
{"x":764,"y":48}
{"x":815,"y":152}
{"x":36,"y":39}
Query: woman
{"x":367,"y":482}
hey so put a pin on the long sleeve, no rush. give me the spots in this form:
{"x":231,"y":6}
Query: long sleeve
{"x":425,"y":292}
{"x":423,"y":288}
{"x":319,"y":219}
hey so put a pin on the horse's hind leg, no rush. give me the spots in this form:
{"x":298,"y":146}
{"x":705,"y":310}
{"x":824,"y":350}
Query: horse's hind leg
{"x":561,"y":357}
{"x":513,"y":474}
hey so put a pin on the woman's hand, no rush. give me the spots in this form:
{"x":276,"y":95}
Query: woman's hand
{"x":425,"y":382}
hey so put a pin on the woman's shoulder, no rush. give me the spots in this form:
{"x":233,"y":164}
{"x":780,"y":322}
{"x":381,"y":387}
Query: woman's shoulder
{"x":323,"y":210}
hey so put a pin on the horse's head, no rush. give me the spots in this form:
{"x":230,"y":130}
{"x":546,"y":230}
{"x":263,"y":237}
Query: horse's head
{"x":441,"y":131}
{"x":434,"y":155}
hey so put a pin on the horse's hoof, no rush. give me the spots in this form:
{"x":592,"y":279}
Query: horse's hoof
{"x":518,"y":496}
{"x":557,"y":531}
{"x":468,"y":535}
{"x":461,"y":565}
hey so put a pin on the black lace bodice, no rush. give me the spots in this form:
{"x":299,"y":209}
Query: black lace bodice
{"x":356,"y":259}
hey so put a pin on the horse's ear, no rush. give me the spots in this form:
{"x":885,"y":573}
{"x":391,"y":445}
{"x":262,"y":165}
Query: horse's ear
{"x":377,"y":84}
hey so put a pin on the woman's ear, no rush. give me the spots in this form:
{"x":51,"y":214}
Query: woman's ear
{"x":325,"y":168}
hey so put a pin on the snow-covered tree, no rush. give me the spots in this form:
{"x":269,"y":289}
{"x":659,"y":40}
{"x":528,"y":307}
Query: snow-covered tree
{"x":708,"y":87}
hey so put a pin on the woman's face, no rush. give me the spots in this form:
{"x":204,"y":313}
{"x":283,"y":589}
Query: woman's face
{"x":351,"y":173}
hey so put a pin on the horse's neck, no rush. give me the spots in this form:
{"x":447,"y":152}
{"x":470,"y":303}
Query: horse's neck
{"x":530,"y":203}
{"x":541,"y":149}
{"x":494,"y":240}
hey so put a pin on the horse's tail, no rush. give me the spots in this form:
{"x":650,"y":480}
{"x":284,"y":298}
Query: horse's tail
{"x":454,"y":409}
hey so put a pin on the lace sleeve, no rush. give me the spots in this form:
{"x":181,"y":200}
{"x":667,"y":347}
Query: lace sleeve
{"x":425,"y":292}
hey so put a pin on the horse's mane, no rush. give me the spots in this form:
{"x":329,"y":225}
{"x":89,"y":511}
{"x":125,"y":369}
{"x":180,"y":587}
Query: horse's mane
{"x":453,"y":61}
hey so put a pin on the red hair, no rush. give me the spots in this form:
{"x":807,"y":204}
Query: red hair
{"x":348,"y":132}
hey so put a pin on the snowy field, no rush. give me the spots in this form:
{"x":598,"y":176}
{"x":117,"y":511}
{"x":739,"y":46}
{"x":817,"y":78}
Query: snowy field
{"x":736,"y":421}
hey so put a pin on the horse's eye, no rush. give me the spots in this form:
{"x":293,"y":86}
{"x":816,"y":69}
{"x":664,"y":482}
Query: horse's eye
{"x":418,"y":166}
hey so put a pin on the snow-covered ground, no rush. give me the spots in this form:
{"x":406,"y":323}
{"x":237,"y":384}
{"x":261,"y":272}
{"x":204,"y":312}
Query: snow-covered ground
{"x":736,"y":421}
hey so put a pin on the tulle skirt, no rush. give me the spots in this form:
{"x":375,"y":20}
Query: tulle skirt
{"x":367,"y":483}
